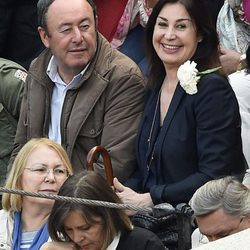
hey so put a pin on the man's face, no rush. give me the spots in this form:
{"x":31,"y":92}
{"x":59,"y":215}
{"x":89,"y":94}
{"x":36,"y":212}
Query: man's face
{"x":71,"y":34}
{"x":219,"y":224}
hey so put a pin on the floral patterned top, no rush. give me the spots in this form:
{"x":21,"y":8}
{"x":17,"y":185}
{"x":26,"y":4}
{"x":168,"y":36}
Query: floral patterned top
{"x":135,"y":12}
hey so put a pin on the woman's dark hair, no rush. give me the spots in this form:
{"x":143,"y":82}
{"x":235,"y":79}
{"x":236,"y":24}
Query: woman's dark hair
{"x":88,"y":185}
{"x":206,"y":55}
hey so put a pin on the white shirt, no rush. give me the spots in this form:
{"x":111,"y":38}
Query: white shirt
{"x":113,"y":245}
{"x":240,"y":82}
{"x":59,"y":92}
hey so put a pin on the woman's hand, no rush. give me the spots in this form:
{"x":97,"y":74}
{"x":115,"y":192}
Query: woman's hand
{"x":129,"y":196}
{"x":58,"y":246}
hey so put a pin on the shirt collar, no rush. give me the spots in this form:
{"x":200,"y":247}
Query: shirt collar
{"x":52,"y":72}
{"x":113,"y":245}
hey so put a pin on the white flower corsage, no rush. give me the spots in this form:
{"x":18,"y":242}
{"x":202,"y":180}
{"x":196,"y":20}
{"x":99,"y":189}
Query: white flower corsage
{"x":189,"y":76}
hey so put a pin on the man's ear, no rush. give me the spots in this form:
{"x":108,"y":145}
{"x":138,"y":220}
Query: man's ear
{"x":44,"y":36}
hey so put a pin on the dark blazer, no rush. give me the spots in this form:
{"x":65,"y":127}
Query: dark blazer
{"x":140,"y":239}
{"x":200,"y":140}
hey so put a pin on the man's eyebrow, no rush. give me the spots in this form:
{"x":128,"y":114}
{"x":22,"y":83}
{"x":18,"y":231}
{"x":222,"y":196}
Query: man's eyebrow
{"x":69,"y":24}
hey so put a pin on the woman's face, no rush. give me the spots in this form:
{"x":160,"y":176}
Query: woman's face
{"x":175,"y":37}
{"x":86,"y":237}
{"x":45,"y":173}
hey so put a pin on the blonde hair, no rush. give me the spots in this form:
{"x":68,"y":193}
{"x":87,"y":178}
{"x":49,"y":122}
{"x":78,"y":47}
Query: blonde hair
{"x":13,"y":202}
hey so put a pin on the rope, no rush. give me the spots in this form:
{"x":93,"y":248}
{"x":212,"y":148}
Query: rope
{"x":76,"y":200}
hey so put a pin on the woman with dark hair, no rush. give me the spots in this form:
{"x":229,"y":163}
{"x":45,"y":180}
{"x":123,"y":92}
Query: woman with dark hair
{"x":79,"y":226}
{"x":190,"y":132}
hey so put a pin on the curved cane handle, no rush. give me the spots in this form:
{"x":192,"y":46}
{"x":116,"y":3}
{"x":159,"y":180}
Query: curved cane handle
{"x":91,"y":158}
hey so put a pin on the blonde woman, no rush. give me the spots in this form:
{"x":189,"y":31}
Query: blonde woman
{"x":41,"y":166}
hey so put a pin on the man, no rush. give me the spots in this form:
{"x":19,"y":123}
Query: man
{"x":12,"y":78}
{"x":221,"y":208}
{"x":80,"y":92}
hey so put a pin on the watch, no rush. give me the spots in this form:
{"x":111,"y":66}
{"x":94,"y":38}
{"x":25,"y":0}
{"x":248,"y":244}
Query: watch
{"x":242,"y":64}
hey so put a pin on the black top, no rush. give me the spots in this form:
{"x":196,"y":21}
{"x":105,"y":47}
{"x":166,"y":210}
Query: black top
{"x":139,"y":239}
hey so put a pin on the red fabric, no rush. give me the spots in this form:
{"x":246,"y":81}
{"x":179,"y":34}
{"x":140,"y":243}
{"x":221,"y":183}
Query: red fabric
{"x":246,"y":8}
{"x":109,"y":13}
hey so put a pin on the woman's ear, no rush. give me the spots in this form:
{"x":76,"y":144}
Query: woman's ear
{"x":200,"y":38}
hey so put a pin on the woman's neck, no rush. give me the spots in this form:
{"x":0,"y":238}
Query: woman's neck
{"x":33,"y":218}
{"x":171,"y":78}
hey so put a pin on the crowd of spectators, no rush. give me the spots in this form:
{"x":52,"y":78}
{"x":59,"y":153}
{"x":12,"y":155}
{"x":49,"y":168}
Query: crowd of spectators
{"x":163,"y":85}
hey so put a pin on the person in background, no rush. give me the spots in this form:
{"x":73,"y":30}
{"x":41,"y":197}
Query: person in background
{"x":190,"y":132}
{"x":240,"y":82}
{"x":80,"y":91}
{"x":41,"y":166}
{"x":12,"y":80}
{"x":94,"y":227}
{"x":221,"y":207}
{"x":108,"y":19}
{"x":233,"y":26}
{"x":125,"y":27}
{"x":213,"y":7}
{"x":19,"y":40}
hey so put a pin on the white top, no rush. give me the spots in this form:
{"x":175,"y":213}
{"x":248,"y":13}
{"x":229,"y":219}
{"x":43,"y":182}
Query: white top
{"x":240,"y":82}
{"x":236,"y":241}
{"x":113,"y":245}
{"x":27,"y":239}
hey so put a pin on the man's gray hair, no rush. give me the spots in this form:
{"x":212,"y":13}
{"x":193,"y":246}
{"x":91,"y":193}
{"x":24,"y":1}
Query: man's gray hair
{"x":42,"y":11}
{"x":227,"y":193}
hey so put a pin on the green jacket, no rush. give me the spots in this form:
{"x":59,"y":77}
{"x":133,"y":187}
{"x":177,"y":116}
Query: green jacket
{"x":12,"y":77}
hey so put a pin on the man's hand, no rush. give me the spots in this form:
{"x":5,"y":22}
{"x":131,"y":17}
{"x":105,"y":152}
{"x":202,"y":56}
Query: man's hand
{"x":229,"y":60}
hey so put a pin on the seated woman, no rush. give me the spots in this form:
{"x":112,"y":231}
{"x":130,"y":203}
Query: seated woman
{"x":41,"y":166}
{"x":190,"y":132}
{"x":93,"y":227}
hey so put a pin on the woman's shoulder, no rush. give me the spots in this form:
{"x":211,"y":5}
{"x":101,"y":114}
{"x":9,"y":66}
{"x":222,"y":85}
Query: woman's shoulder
{"x":6,"y":218}
{"x":6,"y":214}
{"x":213,"y":82}
{"x":214,"y":77}
{"x":140,"y":238}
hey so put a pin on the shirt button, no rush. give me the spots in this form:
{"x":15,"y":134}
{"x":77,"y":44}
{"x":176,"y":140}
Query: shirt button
{"x":92,"y":131}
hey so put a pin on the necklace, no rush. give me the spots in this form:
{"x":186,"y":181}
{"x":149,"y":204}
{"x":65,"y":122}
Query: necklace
{"x":151,"y":131}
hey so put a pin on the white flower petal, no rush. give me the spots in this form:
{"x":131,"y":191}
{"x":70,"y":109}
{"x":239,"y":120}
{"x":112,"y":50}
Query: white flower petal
{"x":187,"y":75}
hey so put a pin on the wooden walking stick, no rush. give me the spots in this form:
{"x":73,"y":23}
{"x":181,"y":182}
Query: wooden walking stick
{"x":91,"y":158}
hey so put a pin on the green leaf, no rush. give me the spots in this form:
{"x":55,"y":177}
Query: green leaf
{"x":208,"y":71}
